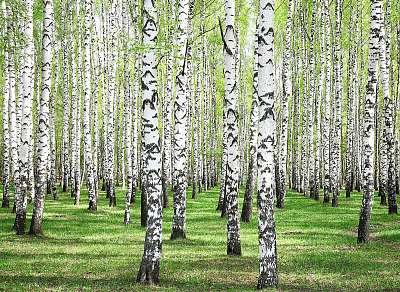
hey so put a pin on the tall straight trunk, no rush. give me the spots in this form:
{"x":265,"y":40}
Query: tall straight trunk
{"x":167,"y":172}
{"x":95,"y":93}
{"x":231,"y":102}
{"x":327,"y":106}
{"x":180,"y":128}
{"x":349,"y":178}
{"x":127,"y":115}
{"x":318,"y":100}
{"x":52,"y":175}
{"x":196,"y":123}
{"x":43,"y":147}
{"x":369,"y":124}
{"x":388,"y":127}
{"x":135,"y":98}
{"x":335,"y":159}
{"x":88,"y":153}
{"x":287,"y":95}
{"x":66,"y":102}
{"x":149,"y":271}
{"x":311,"y":102}
{"x":21,"y":178}
{"x":6,"y":131}
{"x":266,"y":145}
{"x":252,"y":170}
{"x":112,"y":72}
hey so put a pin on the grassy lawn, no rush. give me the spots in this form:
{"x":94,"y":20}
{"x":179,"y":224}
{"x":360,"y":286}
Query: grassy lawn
{"x":317,"y":249}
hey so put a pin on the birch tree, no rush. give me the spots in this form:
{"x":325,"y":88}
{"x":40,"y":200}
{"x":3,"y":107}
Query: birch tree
{"x":149,"y":271}
{"x":231,"y":101}
{"x":369,"y":124}
{"x":287,"y":95}
{"x":21,"y":177}
{"x":43,"y":147}
{"x":266,"y":145}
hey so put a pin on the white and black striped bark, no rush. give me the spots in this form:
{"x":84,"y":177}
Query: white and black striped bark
{"x":337,"y":128}
{"x":252,"y":169}
{"x":266,"y":145}
{"x":66,"y":45}
{"x":389,"y":172}
{"x":287,"y":95}
{"x":112,"y":72}
{"x":180,"y":127}
{"x":88,"y":153}
{"x":231,"y":104}
{"x":369,"y":124}
{"x":327,"y":106}
{"x":25,"y":150}
{"x":6,"y":131}
{"x":311,"y":104}
{"x":149,"y":271}
{"x":196,"y":123}
{"x":43,"y":147}
{"x":350,"y":135}
{"x":127,"y":115}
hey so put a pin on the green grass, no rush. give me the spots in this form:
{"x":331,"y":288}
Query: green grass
{"x":317,"y":249}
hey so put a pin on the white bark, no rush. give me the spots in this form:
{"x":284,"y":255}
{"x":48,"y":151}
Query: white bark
{"x":266,"y":145}
{"x":43,"y":147}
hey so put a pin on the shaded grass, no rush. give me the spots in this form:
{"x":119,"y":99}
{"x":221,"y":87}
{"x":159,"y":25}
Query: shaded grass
{"x":95,"y":251}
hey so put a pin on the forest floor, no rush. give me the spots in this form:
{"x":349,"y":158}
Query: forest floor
{"x":317,"y":248}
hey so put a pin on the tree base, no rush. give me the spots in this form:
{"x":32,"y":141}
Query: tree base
{"x":113,"y":201}
{"x":335,"y":202}
{"x":267,"y":281}
{"x":92,"y":206}
{"x":383,"y":200}
{"x":280,"y":204}
{"x":35,"y":230}
{"x":393,"y":209}
{"x":234,"y":249}
{"x":5,"y":203}
{"x":127,"y":218}
{"x":149,"y":273}
{"x":178,"y":234}
{"x":19,"y":224}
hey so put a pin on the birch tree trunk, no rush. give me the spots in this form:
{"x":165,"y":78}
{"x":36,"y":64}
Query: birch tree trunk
{"x":327,"y":106}
{"x":266,"y":145}
{"x":112,"y":72}
{"x":335,"y":159}
{"x":149,"y":271}
{"x":388,"y":128}
{"x":180,"y":128}
{"x":87,"y":112}
{"x":252,"y":170}
{"x":287,"y":95}
{"x":25,"y":150}
{"x":6,"y":131}
{"x":127,"y":114}
{"x":318,"y":100}
{"x":369,"y":124}
{"x":43,"y":147}
{"x":66,"y":46}
{"x":231,"y":100}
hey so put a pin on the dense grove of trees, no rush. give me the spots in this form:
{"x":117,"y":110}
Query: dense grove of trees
{"x":180,"y":95}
